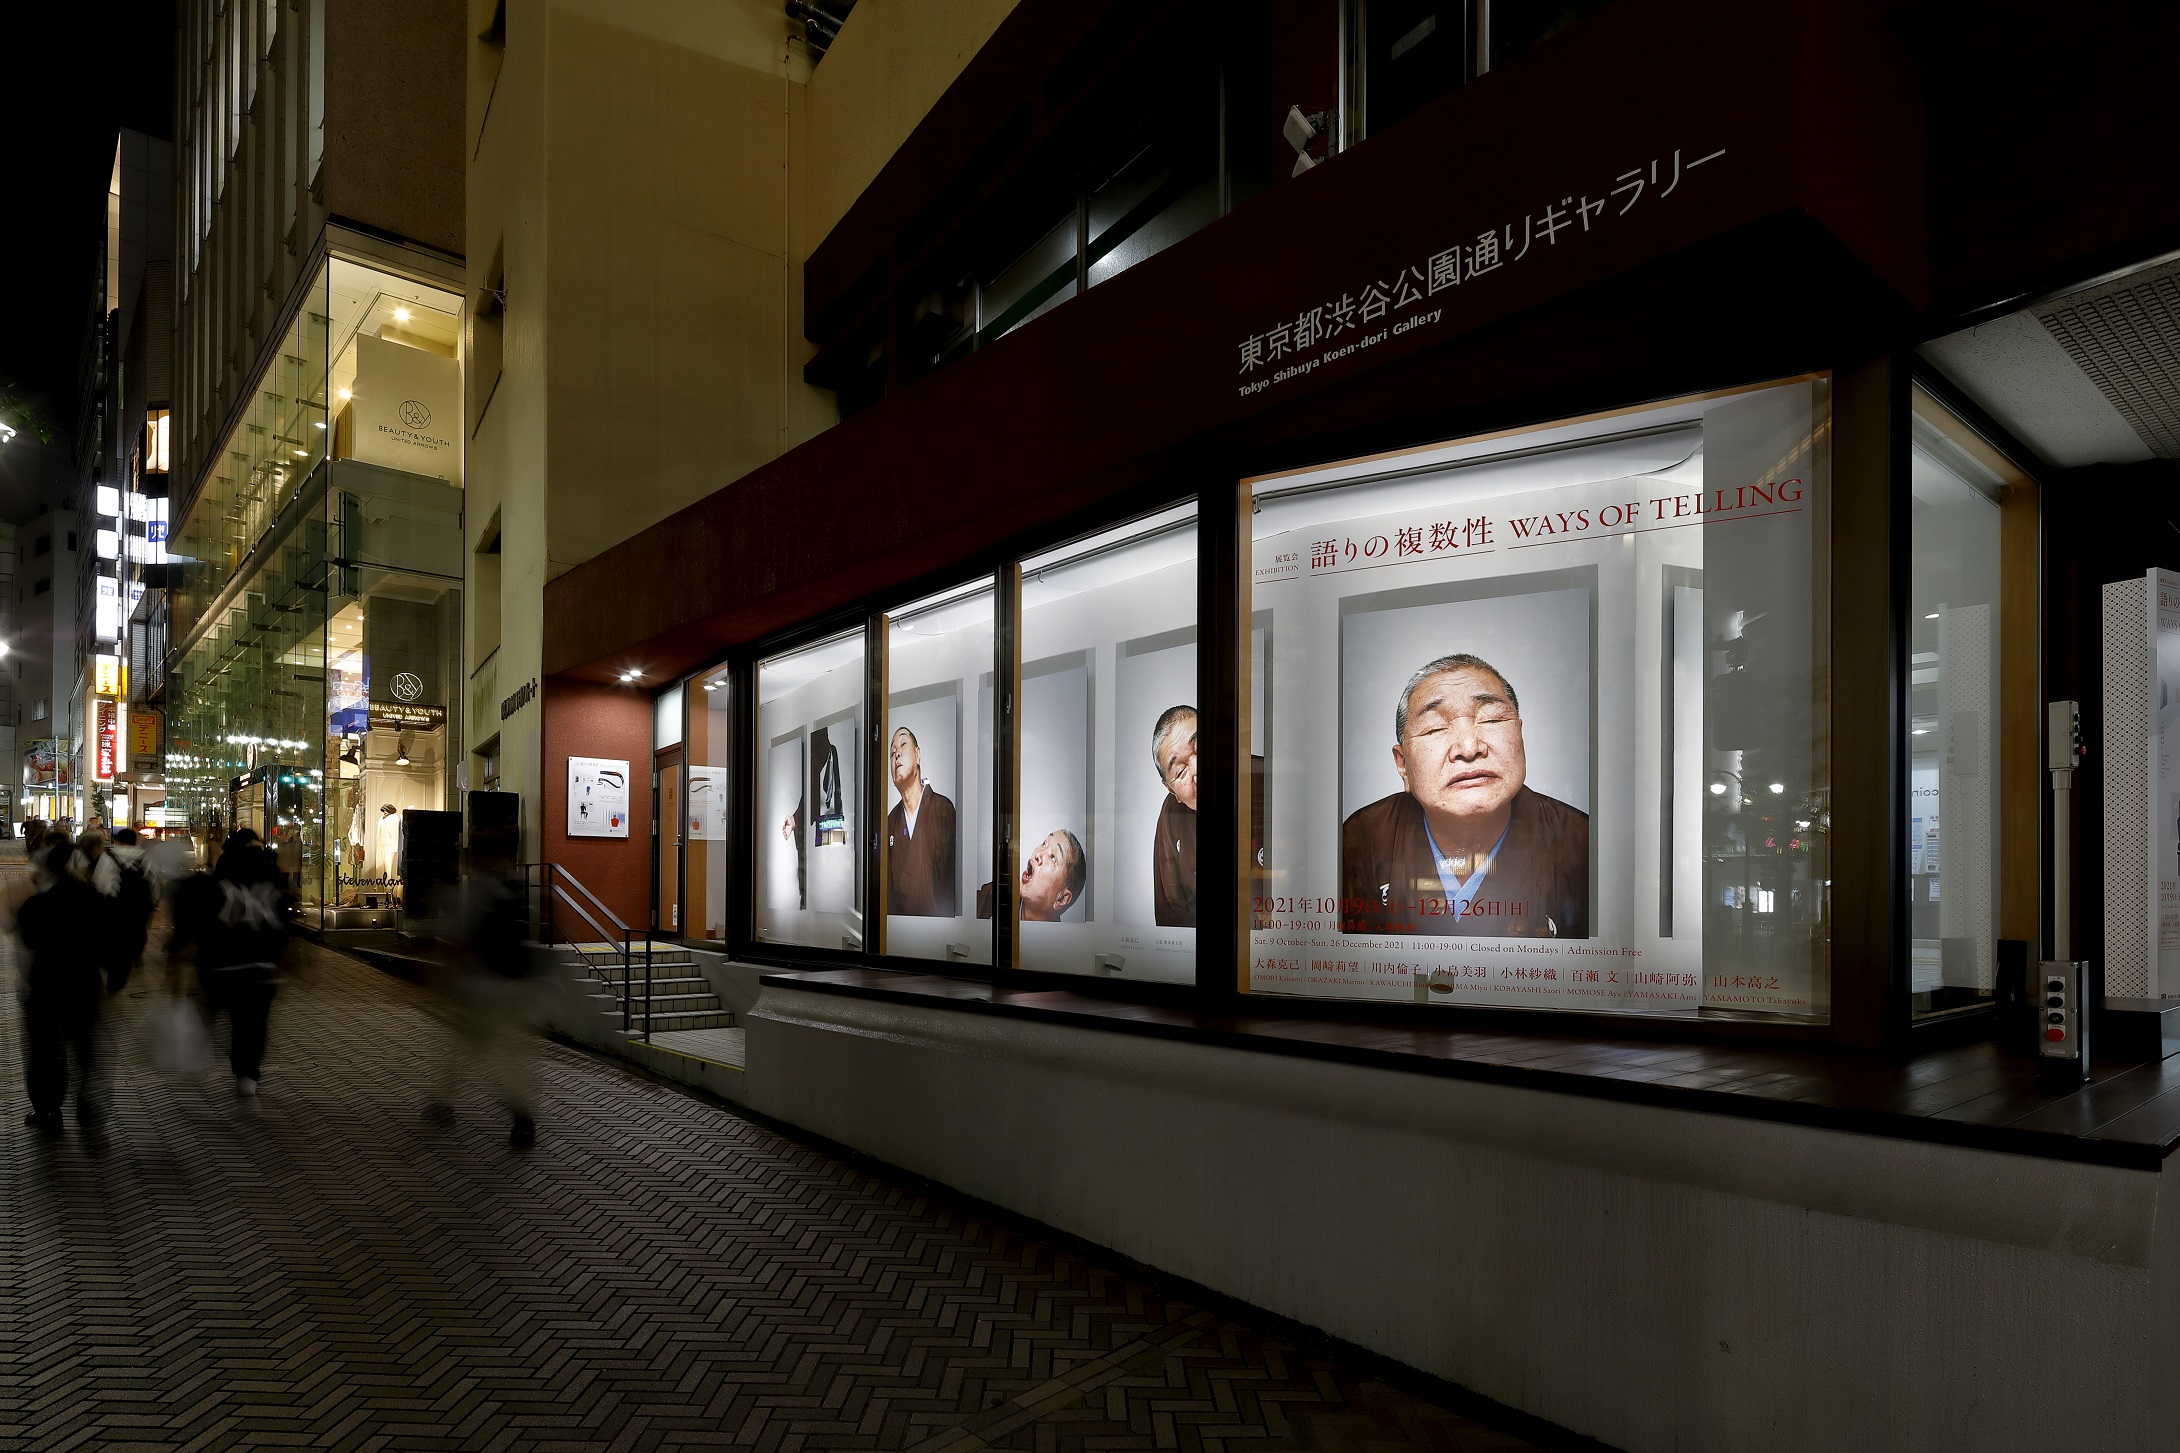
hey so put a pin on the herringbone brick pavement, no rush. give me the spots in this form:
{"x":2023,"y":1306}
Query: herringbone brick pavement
{"x":320,"y":1268}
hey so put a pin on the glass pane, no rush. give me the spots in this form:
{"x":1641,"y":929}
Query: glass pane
{"x":1106,"y":878}
{"x":1414,"y":51}
{"x":1164,"y":193}
{"x":1538,"y":717}
{"x":938,"y":735}
{"x":393,"y":668}
{"x":1953,"y":732}
{"x":704,"y":809}
{"x":810,"y":795}
{"x":1517,"y":25}
{"x":1038,"y":281}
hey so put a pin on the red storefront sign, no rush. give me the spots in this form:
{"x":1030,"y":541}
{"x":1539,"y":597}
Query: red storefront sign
{"x":108,"y":733}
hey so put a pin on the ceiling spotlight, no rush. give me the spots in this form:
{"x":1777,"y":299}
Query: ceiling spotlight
{"x":401,"y":315}
{"x":317,"y":423}
{"x":1931,"y":617}
{"x":1920,"y":732}
{"x":1778,"y":787}
{"x":346,"y":394}
{"x":1718,"y":789}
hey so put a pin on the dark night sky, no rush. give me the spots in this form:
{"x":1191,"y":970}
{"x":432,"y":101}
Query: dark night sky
{"x":76,"y":72}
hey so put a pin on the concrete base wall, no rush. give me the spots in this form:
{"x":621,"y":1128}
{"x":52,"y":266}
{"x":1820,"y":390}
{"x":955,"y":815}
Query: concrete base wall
{"x":1656,"y":1279}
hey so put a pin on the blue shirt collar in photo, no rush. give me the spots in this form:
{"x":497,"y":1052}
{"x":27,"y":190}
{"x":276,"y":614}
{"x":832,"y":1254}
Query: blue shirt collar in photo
{"x":1458,"y":894}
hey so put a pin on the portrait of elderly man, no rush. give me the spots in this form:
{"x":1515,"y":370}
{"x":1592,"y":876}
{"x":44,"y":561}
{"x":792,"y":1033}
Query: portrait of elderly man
{"x":1052,"y":877}
{"x":922,"y":864}
{"x":1467,"y":847}
{"x":1173,"y":848}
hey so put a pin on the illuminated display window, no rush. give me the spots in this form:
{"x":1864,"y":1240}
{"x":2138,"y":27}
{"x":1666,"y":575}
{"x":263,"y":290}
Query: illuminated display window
{"x":1541,"y":716}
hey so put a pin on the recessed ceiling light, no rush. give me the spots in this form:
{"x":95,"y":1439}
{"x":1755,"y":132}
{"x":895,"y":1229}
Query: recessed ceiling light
{"x":1778,"y":787}
{"x":1931,"y":617}
{"x":1718,"y":789}
{"x":346,"y":394}
{"x":401,"y":315}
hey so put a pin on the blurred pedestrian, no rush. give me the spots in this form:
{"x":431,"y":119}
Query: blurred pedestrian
{"x":493,"y":984}
{"x":236,"y":918}
{"x":128,"y":889}
{"x":58,"y":924}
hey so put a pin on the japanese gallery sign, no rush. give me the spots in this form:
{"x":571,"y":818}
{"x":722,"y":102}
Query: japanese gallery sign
{"x":1539,"y":718}
{"x":1420,"y":292}
{"x":597,"y":797}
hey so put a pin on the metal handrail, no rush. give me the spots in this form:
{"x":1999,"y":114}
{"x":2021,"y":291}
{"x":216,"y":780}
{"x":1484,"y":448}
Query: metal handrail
{"x":551,"y":878}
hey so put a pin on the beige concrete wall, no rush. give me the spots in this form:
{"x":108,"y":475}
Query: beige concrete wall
{"x":667,"y":279}
{"x":507,"y":448}
{"x":654,"y":173}
{"x":394,"y":105}
{"x":893,"y":60}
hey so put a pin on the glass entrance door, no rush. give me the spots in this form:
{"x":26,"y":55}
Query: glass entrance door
{"x":666,"y":829}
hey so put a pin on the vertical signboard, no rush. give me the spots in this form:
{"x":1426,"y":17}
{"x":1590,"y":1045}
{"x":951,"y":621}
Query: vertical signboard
{"x":109,"y":738}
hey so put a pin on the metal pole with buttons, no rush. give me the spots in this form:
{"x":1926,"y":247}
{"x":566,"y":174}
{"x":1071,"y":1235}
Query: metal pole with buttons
{"x":2063,"y":1046}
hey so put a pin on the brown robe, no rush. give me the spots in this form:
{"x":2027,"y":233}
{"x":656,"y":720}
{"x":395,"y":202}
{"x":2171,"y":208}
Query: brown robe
{"x":1173,"y":866}
{"x":1539,"y":887}
{"x":923,"y":873}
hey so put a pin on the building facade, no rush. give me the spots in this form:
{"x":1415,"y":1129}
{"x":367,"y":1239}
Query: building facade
{"x":307,"y":631}
{"x":1394,"y":657}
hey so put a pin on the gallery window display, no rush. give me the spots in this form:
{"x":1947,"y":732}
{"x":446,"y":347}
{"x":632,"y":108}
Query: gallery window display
{"x":1105,"y":879}
{"x":709,"y":756}
{"x":1565,"y":746}
{"x":809,"y":805}
{"x":936,"y":844}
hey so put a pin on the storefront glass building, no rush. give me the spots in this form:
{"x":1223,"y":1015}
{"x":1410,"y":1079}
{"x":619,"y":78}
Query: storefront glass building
{"x":314,"y":686}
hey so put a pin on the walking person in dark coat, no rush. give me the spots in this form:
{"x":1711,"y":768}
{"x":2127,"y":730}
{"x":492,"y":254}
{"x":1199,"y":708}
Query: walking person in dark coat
{"x":237,"y":919}
{"x":130,"y":898}
{"x":59,"y":926}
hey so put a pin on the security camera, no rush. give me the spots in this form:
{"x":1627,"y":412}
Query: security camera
{"x":1300,"y":131}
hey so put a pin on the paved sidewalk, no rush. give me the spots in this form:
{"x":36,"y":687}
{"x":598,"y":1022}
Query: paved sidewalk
{"x":319,"y":1268}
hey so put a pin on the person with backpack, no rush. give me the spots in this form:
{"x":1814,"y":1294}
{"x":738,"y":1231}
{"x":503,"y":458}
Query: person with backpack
{"x":236,"y":918}
{"x":132,"y":899}
{"x":58,"y":924}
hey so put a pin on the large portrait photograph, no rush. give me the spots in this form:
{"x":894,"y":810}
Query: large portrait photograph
{"x":1468,"y":750}
{"x":923,"y":801}
{"x":1054,"y":885}
{"x":1154,"y":772}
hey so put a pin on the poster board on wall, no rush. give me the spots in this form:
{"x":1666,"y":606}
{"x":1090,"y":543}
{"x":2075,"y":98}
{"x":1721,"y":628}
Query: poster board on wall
{"x":597,"y":797}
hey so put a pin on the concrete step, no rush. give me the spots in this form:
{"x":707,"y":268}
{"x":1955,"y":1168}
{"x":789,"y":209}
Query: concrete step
{"x":663,"y":1022}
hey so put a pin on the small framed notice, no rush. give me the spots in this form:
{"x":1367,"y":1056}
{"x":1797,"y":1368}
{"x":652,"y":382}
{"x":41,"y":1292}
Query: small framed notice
{"x":597,"y":797}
